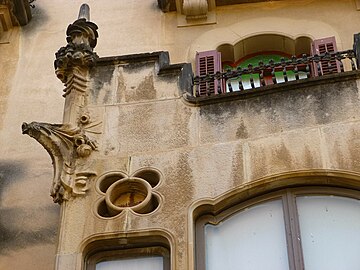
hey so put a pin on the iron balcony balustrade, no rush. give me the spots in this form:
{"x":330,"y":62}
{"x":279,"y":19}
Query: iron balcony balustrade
{"x":280,"y":72}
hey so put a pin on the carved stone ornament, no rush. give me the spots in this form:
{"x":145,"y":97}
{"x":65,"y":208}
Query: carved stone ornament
{"x":195,"y":9}
{"x":82,"y":38}
{"x":68,"y":143}
{"x":65,"y":144}
{"x":122,"y":192}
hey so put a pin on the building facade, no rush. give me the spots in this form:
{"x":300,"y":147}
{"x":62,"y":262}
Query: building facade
{"x":239,"y":153}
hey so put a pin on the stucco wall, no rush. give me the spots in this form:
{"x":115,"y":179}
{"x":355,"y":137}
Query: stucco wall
{"x":176,"y":137}
{"x":204,"y":152}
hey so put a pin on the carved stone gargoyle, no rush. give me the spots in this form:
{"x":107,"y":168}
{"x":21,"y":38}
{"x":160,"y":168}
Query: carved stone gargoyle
{"x":68,"y":144}
{"x":65,"y":144}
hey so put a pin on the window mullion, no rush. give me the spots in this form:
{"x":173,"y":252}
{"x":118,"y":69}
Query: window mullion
{"x":296,"y":261}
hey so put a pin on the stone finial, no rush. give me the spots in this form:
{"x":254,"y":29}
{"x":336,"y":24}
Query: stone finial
{"x":82,"y":32}
{"x":79,"y":52}
{"x":84,"y":12}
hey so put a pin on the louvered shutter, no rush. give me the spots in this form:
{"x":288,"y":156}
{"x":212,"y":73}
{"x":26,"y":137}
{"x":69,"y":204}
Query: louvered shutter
{"x":208,"y":62}
{"x":321,"y":46}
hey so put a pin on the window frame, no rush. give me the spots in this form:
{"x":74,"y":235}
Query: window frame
{"x":129,"y":253}
{"x":128,"y":246}
{"x":291,"y":219}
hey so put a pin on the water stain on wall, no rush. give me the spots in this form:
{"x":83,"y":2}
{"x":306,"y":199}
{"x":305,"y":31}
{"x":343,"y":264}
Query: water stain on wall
{"x":241,"y":132}
{"x":101,"y":76}
{"x":20,"y":227}
{"x":144,"y":91}
{"x":14,"y":233}
{"x":10,"y":172}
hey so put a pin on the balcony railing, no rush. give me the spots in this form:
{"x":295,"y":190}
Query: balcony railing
{"x":296,"y":68}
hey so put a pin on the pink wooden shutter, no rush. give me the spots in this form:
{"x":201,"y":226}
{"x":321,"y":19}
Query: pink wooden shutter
{"x":321,"y":46}
{"x":208,"y":62}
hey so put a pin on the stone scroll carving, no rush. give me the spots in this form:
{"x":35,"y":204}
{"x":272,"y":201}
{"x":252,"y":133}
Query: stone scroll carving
{"x":66,"y":145}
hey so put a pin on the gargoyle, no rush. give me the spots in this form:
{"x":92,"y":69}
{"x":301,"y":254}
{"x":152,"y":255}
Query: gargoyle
{"x":64,"y":144}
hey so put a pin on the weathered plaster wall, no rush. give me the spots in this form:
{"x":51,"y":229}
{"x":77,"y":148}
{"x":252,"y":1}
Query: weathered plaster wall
{"x":28,"y":90}
{"x":153,"y":125}
{"x":10,"y":51}
{"x":204,"y":151}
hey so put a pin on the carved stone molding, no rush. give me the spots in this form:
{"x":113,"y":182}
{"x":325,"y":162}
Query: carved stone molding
{"x":75,"y":80}
{"x":66,"y":145}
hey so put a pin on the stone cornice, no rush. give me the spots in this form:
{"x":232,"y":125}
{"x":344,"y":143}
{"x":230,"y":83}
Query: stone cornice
{"x":183,"y":70}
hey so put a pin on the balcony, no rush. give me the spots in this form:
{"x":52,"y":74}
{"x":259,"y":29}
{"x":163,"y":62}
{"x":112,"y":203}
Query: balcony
{"x":270,"y":75}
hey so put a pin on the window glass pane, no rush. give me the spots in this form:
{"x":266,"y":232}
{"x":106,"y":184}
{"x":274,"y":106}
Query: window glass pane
{"x":252,"y":239}
{"x":330,"y":232}
{"x":146,"y":263}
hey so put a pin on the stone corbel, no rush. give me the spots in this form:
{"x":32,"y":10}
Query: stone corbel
{"x":195,"y":9}
{"x":65,"y":144}
{"x":195,"y":12}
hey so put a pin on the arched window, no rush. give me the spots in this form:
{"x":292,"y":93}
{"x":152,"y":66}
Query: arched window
{"x":313,"y":228}
{"x":140,"y":252}
{"x":264,"y":60}
{"x":256,"y":45}
{"x":263,"y":48}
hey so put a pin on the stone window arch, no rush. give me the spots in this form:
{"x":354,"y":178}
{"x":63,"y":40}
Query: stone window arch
{"x":281,"y":223}
{"x":136,"y":250}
